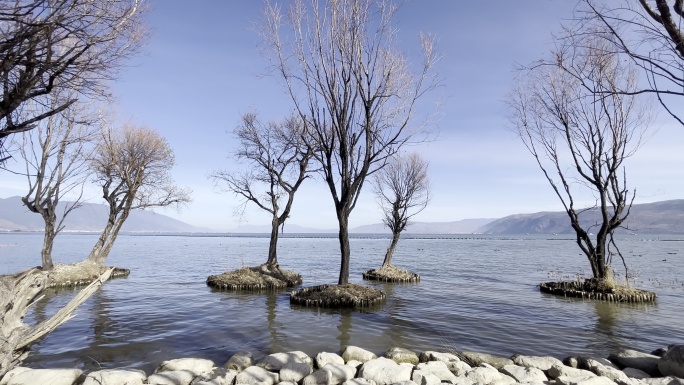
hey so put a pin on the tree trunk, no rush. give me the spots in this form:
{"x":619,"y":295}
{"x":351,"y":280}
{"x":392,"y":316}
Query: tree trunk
{"x":390,"y":249}
{"x":343,"y":219}
{"x":48,"y":240}
{"x":106,"y":241}
{"x":273,"y":245}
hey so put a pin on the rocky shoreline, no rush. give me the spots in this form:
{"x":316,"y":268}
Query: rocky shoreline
{"x":357,"y":366}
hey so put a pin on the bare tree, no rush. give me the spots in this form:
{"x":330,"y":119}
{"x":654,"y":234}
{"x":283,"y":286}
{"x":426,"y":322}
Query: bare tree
{"x":55,"y":155}
{"x":277,"y":163}
{"x":650,"y":33}
{"x":403,"y":189}
{"x":48,"y":45}
{"x":355,"y":92}
{"x":132,"y":166}
{"x":573,"y":117}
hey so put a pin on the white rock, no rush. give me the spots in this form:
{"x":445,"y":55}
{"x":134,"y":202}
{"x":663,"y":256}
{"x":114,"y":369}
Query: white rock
{"x":669,"y":380}
{"x":489,"y":376}
{"x":340,"y":372}
{"x":458,"y":368}
{"x":422,"y":377}
{"x":405,"y":383}
{"x":171,"y":377}
{"x":561,"y":370}
{"x":541,"y":363}
{"x":45,"y":376}
{"x":217,"y":376}
{"x":524,"y":374}
{"x":401,"y":355}
{"x":596,"y":380}
{"x":12,"y":373}
{"x":612,"y":373}
{"x":635,"y":373}
{"x":437,"y":356}
{"x":115,"y":377}
{"x":358,"y":381}
{"x":319,"y":377}
{"x":239,"y":361}
{"x":358,"y":354}
{"x":384,"y":371}
{"x":354,"y":363}
{"x":295,"y":371}
{"x":324,"y":358}
{"x":193,"y":365}
{"x":255,"y":374}
{"x":439,"y":369}
{"x":275,"y":362}
{"x":286,"y":383}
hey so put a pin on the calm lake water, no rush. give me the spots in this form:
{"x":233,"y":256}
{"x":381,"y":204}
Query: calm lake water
{"x":476,"y":293}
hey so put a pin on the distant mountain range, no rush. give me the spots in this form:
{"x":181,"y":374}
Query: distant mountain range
{"x":666,"y":217}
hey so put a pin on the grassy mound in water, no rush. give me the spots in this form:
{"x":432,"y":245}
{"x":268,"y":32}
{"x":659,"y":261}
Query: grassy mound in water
{"x":338,"y":296}
{"x":80,"y":274}
{"x":598,"y":290}
{"x":262,"y":277}
{"x":391,"y":274}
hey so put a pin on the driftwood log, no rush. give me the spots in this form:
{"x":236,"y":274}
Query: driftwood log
{"x":17,"y":294}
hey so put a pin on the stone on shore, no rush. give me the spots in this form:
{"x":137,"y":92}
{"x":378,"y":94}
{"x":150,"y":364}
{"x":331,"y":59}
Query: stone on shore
{"x":295,"y":371}
{"x":254,"y":375}
{"x":672,"y":362}
{"x":476,"y":359}
{"x":19,"y":369}
{"x":422,"y":377}
{"x":525,"y":374}
{"x":172,"y":377}
{"x":488,"y":375}
{"x":339,"y":372}
{"x":324,"y":358}
{"x":359,"y":381}
{"x":319,"y":377}
{"x":218,"y":376}
{"x":357,"y":354}
{"x":541,"y":363}
{"x":192,"y":365}
{"x":239,"y":361}
{"x":385,"y":371}
{"x":44,"y":376}
{"x":115,"y":377}
{"x":353,"y":363}
{"x":437,"y":368}
{"x":628,"y":358}
{"x":560,"y":370}
{"x":275,"y":362}
{"x":605,"y":368}
{"x":635,"y":373}
{"x":437,"y":356}
{"x":669,"y":380}
{"x":596,"y":380}
{"x":401,"y":355}
{"x":458,"y":368}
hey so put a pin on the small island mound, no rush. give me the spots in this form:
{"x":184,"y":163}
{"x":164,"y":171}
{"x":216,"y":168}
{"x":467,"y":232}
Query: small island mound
{"x":262,"y":277}
{"x":81,"y":274}
{"x":391,"y":273}
{"x":338,"y":296}
{"x":598,"y":290}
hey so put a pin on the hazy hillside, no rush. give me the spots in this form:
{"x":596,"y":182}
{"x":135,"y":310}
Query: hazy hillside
{"x":666,"y":217}
{"x":465,"y":226}
{"x":91,"y":217}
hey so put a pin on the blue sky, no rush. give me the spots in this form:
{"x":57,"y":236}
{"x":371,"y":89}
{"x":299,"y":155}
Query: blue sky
{"x":202,"y":69}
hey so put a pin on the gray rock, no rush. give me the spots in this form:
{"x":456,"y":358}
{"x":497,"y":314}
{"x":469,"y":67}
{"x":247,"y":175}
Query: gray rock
{"x":600,"y":368}
{"x":405,"y":383}
{"x":324,"y":358}
{"x":239,"y":361}
{"x":659,"y":352}
{"x":384,"y":371}
{"x":275,"y":362}
{"x":458,"y":368}
{"x":437,"y":356}
{"x":476,"y":359}
{"x":422,"y":377}
{"x":193,"y":365}
{"x":635,"y":373}
{"x":437,"y":368}
{"x":401,"y":355}
{"x":561,"y":370}
{"x":340,"y":372}
{"x":218,"y":376}
{"x":115,"y":377}
{"x":572,"y":361}
{"x":171,"y":377}
{"x":319,"y":377}
{"x":358,"y":381}
{"x":254,"y":375}
{"x":357,"y":354}
{"x":672,"y":362}
{"x":524,"y":374}
{"x":45,"y":376}
{"x":669,"y":380}
{"x":295,"y":371}
{"x":596,"y":380}
{"x":628,"y":358}
{"x":488,"y":376}
{"x":541,"y":363}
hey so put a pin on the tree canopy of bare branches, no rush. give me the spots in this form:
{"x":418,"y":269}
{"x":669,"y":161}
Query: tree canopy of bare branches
{"x":651,"y":34}
{"x":277,"y":162}
{"x":403,"y":190}
{"x":48,"y":45}
{"x":354,"y":90}
{"x":56,"y":155}
{"x":132,"y":166}
{"x":575,"y":120}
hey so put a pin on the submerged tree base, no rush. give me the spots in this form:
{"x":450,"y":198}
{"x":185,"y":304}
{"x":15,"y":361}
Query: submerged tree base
{"x":80,"y":274}
{"x":391,"y":274}
{"x":338,"y":296}
{"x":257,"y":278}
{"x":590,"y":289}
